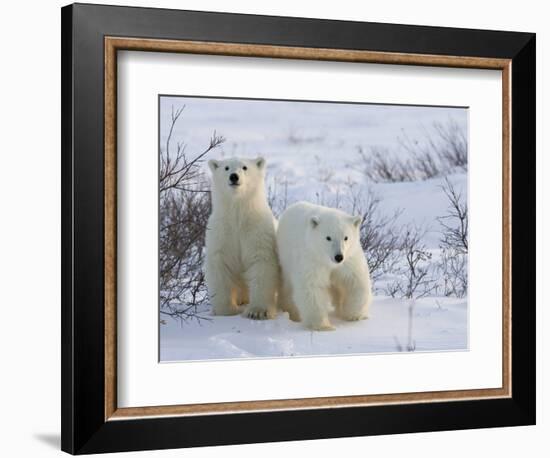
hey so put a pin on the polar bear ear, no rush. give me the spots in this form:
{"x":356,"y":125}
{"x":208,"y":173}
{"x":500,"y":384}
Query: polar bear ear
{"x":260,"y":162}
{"x":213,"y":164}
{"x":356,"y":221}
{"x":314,"y":221}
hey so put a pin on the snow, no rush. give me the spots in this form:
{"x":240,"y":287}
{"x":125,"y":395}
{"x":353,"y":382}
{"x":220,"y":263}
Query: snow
{"x":312,"y":154}
{"x":287,"y":132}
{"x":438,"y":324}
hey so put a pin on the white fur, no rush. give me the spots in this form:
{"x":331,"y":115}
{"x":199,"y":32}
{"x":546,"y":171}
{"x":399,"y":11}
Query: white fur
{"x":241,"y":257}
{"x":313,"y":283}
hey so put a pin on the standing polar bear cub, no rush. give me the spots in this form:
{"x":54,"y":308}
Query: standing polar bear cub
{"x":323,"y":265}
{"x":241,"y":257}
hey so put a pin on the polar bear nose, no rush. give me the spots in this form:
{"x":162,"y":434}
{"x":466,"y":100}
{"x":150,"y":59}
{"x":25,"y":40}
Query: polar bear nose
{"x":339,"y":257}
{"x":233,"y":178}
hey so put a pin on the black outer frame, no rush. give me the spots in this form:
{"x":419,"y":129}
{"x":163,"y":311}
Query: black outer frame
{"x":83,"y":425}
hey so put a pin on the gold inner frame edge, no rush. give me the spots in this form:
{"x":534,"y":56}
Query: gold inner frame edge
{"x":114,"y":44}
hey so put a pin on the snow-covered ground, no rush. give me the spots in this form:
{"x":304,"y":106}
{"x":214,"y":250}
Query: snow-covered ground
{"x":438,"y":324}
{"x":312,"y":154}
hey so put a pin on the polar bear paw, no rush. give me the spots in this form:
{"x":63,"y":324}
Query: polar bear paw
{"x":320,"y":325}
{"x":355,"y":316}
{"x":323,"y":327}
{"x":258,"y":312}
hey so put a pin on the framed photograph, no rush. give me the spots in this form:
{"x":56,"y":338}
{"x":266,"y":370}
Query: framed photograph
{"x":282,"y":228}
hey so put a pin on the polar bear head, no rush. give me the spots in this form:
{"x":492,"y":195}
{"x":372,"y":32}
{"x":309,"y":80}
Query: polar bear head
{"x":237,"y":177}
{"x":334,"y":234}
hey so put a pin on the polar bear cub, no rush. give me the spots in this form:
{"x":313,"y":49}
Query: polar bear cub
{"x":241,"y":257}
{"x":323,"y":265}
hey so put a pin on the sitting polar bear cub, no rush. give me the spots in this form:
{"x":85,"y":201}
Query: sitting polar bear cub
{"x":323,"y":265}
{"x":241,"y":257}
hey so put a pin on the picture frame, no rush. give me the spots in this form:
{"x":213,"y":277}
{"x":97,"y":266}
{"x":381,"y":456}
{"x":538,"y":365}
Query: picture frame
{"x":92,"y":35}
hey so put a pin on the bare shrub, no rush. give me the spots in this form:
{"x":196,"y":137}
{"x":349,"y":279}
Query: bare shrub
{"x":178,"y":172}
{"x":453,"y":268}
{"x":415,"y":278}
{"x":184,"y":200}
{"x":380,"y":166}
{"x":325,"y":174}
{"x":277,"y":195}
{"x":439,"y":153}
{"x":378,"y":234}
{"x":453,"y":145}
{"x":425,"y":165}
{"x":295,"y":138}
{"x":183,"y":218}
{"x":415,"y":270}
{"x":453,"y":265}
{"x":455,"y":222}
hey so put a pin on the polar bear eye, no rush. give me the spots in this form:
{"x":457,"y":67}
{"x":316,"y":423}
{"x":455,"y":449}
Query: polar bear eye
{"x":328,"y":238}
{"x":227,"y":168}
{"x":245,"y":167}
{"x":346,"y":238}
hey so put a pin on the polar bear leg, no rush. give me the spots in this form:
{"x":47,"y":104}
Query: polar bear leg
{"x":222,"y":291}
{"x":242,"y":294}
{"x":352,"y":292}
{"x":355,"y":304}
{"x":285,"y":302}
{"x":263,"y":287}
{"x":313,"y":304}
{"x":337,"y":296}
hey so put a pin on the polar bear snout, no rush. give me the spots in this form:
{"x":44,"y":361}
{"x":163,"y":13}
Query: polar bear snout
{"x":233,"y":179}
{"x":339,"y":258}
